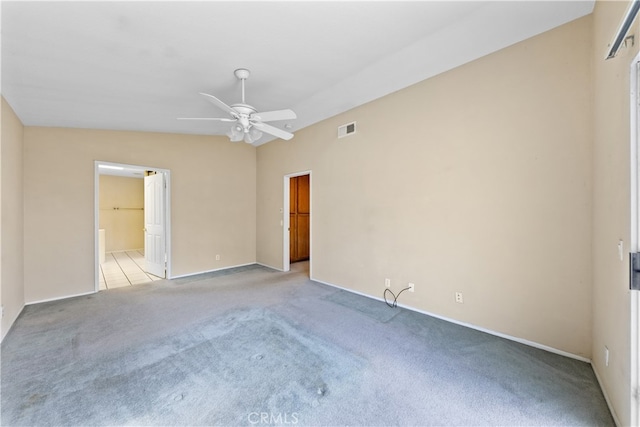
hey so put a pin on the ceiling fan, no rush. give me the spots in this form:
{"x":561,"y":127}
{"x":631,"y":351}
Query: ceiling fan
{"x":248,"y":123}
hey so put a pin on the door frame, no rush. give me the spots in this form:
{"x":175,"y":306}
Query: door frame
{"x":634,"y":238}
{"x":96,"y":213}
{"x":286,"y":260}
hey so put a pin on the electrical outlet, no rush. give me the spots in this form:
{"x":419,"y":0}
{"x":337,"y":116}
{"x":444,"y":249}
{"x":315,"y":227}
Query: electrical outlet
{"x":459,"y":299}
{"x":217,"y":257}
{"x":606,"y":356}
{"x":387,"y":283}
{"x":412,"y":287}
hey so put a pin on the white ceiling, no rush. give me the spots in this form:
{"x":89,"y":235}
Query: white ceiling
{"x":139,"y":65}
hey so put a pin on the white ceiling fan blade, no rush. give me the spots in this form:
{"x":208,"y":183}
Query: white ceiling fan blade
{"x":215,"y":101}
{"x":272,"y":116}
{"x":272,"y":130}
{"x":218,"y":119}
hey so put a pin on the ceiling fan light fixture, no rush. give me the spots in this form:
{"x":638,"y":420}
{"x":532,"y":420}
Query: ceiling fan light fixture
{"x":235,"y":134}
{"x":252,"y":135}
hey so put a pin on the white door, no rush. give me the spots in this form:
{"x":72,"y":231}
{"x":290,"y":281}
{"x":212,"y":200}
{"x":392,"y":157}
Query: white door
{"x":154,"y":225}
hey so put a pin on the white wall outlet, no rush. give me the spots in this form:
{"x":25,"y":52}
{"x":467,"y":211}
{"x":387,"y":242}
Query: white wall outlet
{"x":387,"y":283}
{"x":606,"y":356}
{"x":459,"y":299}
{"x":217,"y":257}
{"x":412,"y":287}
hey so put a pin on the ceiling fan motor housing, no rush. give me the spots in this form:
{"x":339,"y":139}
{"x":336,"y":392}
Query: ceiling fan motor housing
{"x":244,"y":113}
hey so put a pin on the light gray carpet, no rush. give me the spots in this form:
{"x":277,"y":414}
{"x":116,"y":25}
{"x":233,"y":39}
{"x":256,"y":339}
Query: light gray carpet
{"x":252,"y":346}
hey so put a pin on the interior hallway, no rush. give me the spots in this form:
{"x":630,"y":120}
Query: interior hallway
{"x":124,"y":268}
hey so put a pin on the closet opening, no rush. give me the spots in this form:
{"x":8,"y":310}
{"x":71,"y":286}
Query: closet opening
{"x":297,"y":221}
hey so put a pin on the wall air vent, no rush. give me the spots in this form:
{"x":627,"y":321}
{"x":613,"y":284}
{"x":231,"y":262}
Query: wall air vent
{"x":346,"y":130}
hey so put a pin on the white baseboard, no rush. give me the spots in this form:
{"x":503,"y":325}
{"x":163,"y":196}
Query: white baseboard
{"x":469,"y":325}
{"x":211,"y":271}
{"x":271,"y":267}
{"x":606,"y":396}
{"x":60,"y":298}
{"x":174,"y":277}
{"x":13,"y":321}
{"x":437,"y":316}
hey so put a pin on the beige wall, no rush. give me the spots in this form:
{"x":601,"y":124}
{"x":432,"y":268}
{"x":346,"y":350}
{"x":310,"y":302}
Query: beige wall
{"x":213,"y":188}
{"x":611,"y":209}
{"x":124,"y":227}
{"x":11,"y":214}
{"x":477,"y":180}
{"x":506,"y":179}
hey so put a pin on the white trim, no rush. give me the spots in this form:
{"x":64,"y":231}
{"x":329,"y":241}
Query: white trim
{"x":95,"y":292}
{"x":13,"y":322}
{"x":212,"y":271}
{"x":271,"y":267}
{"x":634,"y":300}
{"x":96,"y":210}
{"x":633,"y":152}
{"x":167,"y":221}
{"x":125,"y":250}
{"x":96,"y":226}
{"x":469,"y":325}
{"x":60,"y":298}
{"x":286,"y":261}
{"x":606,"y":396}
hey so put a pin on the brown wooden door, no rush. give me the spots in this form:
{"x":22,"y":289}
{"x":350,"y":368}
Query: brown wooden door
{"x":299,"y":217}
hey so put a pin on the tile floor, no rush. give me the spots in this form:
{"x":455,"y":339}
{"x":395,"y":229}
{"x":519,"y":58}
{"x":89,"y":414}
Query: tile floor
{"x":124,"y":269}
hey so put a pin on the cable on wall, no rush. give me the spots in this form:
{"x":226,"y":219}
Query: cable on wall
{"x":395,"y":297}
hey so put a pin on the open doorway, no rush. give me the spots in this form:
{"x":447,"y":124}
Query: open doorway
{"x":132,"y":224}
{"x":297,"y":221}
